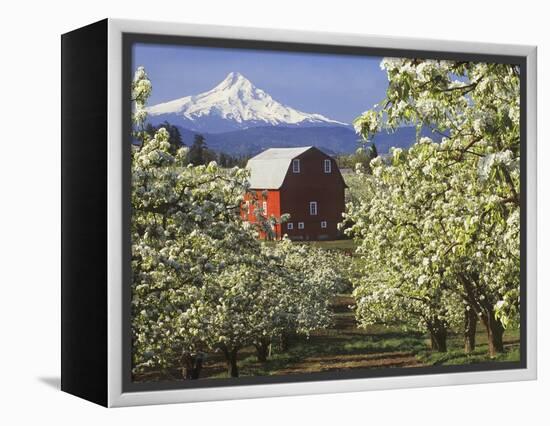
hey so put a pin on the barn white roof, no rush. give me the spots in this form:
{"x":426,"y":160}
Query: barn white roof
{"x":268,"y":169}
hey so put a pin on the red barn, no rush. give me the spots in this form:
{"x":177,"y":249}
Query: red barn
{"x":303,"y":182}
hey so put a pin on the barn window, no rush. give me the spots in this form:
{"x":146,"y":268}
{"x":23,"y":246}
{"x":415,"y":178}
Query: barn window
{"x":300,"y":225}
{"x":328,"y":166}
{"x":323,"y":224}
{"x":313,"y":208}
{"x":264,"y":207}
{"x":296,"y":166}
{"x":289,"y":225}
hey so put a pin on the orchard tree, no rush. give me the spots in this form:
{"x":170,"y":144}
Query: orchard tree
{"x":462,"y":194}
{"x":401,"y":282}
{"x":266,"y":225}
{"x":239,"y":306}
{"x":185,"y":228}
{"x":175,"y":140}
{"x":311,"y":276}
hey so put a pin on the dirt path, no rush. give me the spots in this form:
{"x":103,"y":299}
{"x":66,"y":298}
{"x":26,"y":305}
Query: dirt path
{"x":348,"y":362}
{"x":346,"y":336}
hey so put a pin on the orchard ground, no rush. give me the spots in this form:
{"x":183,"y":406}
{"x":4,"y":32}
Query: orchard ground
{"x":344,"y":346}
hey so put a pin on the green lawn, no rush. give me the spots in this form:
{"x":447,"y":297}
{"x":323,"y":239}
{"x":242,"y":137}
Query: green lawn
{"x":334,"y":244}
{"x":329,"y":245}
{"x":456,"y":356}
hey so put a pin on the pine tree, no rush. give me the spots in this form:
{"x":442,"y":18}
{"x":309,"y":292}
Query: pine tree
{"x":196,"y":152}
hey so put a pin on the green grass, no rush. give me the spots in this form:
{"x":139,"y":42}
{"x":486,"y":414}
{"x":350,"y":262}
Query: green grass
{"x":383,"y":345}
{"x":456,"y":356}
{"x":329,"y":245}
{"x":333,"y":244}
{"x":344,"y":348}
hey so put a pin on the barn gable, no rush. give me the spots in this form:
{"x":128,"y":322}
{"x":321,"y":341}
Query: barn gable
{"x":268,"y":169}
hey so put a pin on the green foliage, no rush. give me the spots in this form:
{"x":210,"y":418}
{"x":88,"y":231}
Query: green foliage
{"x":228,"y":161}
{"x":360,"y":159}
{"x":174,"y":136}
{"x":199,"y":154}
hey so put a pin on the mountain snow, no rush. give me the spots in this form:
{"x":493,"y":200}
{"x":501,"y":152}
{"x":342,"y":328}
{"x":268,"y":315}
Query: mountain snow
{"x":235,"y":103}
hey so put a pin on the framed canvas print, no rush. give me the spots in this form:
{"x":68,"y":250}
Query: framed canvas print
{"x":250,"y":213}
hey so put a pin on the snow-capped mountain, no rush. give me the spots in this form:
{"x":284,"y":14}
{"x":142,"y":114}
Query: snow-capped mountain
{"x":233,"y":104}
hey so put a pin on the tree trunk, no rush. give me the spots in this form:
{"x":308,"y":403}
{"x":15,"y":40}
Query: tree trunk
{"x":231,"y":361}
{"x":494,"y":327}
{"x":284,"y":341}
{"x":470,"y":328}
{"x":262,"y":349}
{"x":495,"y":332}
{"x":192,"y":365}
{"x":438,"y":335}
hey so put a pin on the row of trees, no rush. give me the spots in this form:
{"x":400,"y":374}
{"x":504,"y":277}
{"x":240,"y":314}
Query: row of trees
{"x":363,"y":156}
{"x":202,"y":281}
{"x":198,"y":153}
{"x":438,"y":225}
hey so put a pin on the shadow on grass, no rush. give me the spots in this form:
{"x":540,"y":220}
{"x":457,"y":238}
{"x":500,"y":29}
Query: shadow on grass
{"x":306,"y":355}
{"x":479,"y":355}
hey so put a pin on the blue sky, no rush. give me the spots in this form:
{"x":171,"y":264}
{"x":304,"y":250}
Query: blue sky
{"x":337,"y":86}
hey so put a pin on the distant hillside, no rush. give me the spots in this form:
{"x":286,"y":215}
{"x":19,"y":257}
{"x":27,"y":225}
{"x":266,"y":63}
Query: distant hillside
{"x":332,"y":139}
